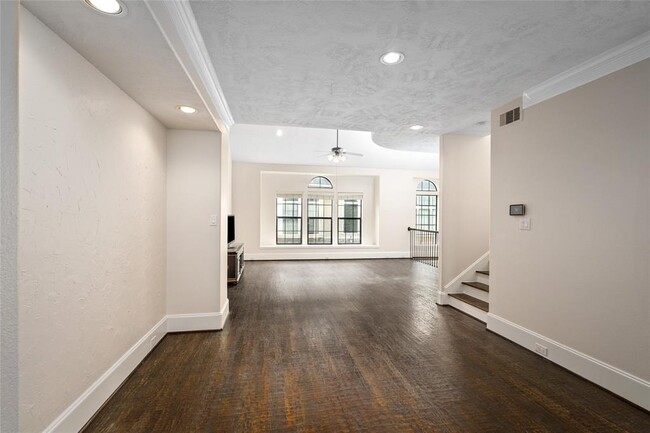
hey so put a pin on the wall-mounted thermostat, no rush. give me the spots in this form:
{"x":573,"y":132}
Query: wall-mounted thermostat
{"x":517,"y":209}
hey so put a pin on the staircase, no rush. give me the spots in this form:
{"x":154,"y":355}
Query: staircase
{"x":474,"y":297}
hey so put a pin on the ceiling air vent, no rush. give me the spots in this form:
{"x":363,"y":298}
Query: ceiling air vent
{"x":510,"y":116}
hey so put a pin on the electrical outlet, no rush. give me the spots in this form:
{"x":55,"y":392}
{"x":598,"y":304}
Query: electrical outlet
{"x":214,"y":220}
{"x":524,"y":224}
{"x":542,"y":350}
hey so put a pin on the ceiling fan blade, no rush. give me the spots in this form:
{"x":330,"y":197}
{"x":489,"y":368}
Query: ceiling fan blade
{"x":354,"y":154}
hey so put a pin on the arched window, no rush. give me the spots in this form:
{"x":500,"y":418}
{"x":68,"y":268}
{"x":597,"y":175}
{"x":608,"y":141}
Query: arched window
{"x":320,"y":182}
{"x":426,"y":206}
{"x":427,"y":185}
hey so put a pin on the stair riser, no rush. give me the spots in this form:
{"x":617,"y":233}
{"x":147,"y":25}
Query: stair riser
{"x":468,"y":309}
{"x":481,"y":278}
{"x":478,"y":294}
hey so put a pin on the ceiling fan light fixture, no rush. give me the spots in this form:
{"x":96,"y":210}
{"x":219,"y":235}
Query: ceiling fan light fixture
{"x":336,"y":158}
{"x":392,"y":58}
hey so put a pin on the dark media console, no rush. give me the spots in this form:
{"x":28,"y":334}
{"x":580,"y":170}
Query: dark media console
{"x":235,"y":262}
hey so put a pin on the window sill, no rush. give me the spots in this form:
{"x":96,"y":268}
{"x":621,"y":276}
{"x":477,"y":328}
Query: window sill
{"x":318,"y":247}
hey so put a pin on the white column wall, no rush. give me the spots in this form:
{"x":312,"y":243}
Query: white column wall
{"x":195,"y":249}
{"x":464,"y":204}
{"x":8,"y":216}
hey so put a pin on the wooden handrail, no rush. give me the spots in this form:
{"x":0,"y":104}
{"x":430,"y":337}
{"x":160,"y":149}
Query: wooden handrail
{"x":422,"y":230}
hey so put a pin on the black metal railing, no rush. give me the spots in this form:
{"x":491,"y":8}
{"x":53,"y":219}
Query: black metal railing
{"x":424,"y":246}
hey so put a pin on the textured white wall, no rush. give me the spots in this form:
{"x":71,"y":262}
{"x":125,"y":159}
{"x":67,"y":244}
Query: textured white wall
{"x":194,"y":250}
{"x":465,"y":202}
{"x":394,"y":204}
{"x":91,"y":254}
{"x":8,"y":216}
{"x":581,"y":163}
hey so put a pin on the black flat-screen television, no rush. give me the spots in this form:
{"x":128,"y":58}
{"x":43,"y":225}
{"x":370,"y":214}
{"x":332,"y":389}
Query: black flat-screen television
{"x":231,"y":228}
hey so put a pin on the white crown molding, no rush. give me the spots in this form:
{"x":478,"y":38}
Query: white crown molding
{"x":619,"y":382}
{"x":622,"y":56}
{"x":177,"y":23}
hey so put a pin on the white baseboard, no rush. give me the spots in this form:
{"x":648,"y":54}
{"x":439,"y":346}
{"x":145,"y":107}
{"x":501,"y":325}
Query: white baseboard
{"x":325,"y":255}
{"x":469,"y":274}
{"x":83,"y":408}
{"x":619,"y":382}
{"x":198,"y":321}
{"x":225,"y":312}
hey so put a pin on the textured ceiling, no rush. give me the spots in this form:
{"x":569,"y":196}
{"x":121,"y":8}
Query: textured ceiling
{"x":132,"y":52}
{"x":405,"y":139}
{"x":309,"y":146}
{"x":316,"y":64}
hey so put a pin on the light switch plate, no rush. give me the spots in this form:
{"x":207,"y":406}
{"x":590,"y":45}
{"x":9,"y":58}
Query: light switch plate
{"x":214,"y":220}
{"x":524,"y":224}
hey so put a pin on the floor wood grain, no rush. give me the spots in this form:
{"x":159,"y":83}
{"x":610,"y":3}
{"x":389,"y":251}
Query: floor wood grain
{"x":353,"y":346}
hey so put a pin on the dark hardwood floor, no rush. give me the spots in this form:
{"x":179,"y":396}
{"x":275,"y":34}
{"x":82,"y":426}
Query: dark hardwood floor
{"x":353,"y":346}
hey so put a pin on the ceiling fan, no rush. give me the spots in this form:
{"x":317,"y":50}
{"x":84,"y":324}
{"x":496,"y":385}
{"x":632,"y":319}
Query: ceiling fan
{"x":338,"y":154}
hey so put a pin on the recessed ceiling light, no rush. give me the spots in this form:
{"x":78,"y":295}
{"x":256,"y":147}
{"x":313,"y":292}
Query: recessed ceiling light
{"x":111,"y":7}
{"x":392,"y":58}
{"x":186,"y":109}
{"x":416,"y":127}
{"x":279,"y":133}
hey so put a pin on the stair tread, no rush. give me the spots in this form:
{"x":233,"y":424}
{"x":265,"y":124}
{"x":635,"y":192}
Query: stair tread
{"x":481,"y":305}
{"x":477,"y":285}
{"x":484,"y":272}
